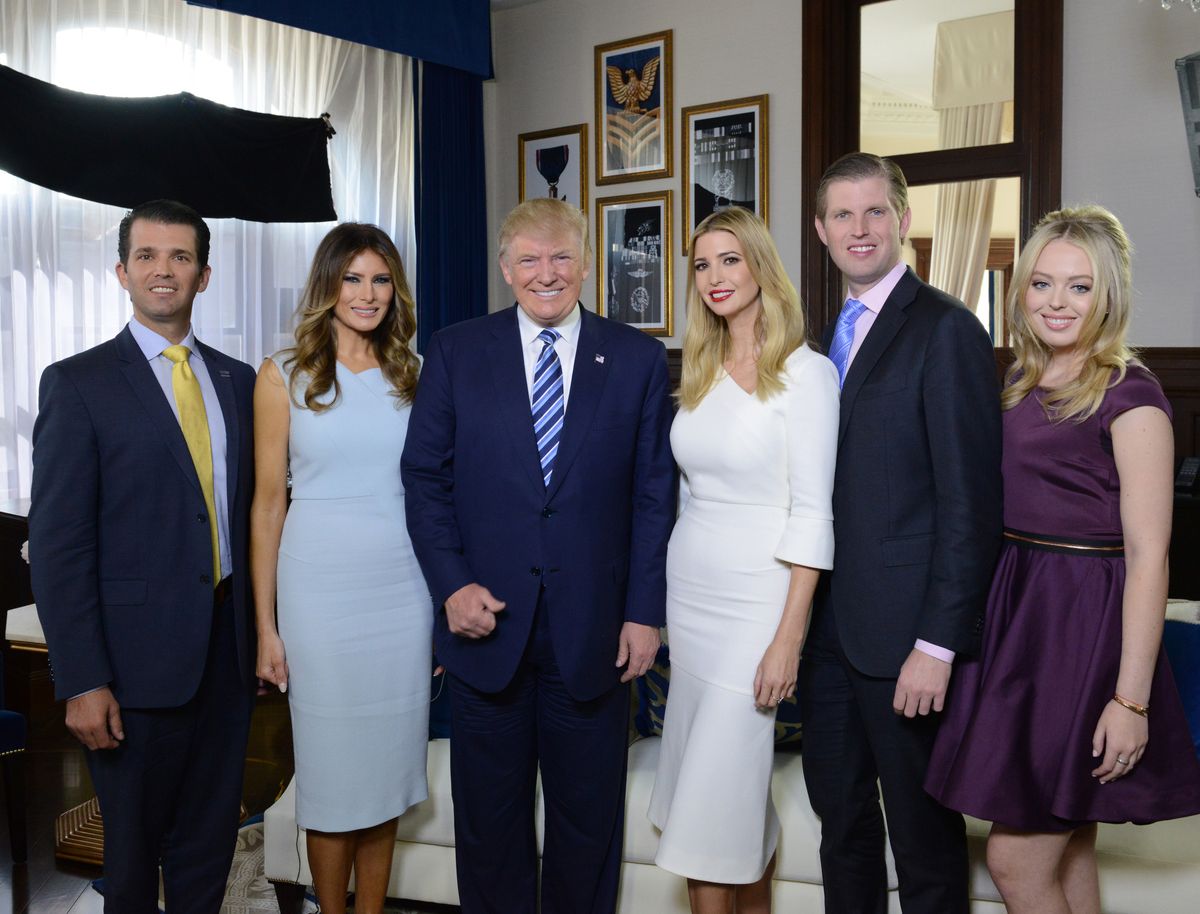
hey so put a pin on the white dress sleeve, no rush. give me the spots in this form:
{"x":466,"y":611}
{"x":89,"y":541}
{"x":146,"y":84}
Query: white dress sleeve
{"x":811,"y":407}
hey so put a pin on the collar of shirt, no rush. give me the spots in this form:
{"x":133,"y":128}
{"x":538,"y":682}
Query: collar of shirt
{"x":531,"y":346}
{"x":875,"y":296}
{"x":568,"y":327}
{"x":152,"y":344}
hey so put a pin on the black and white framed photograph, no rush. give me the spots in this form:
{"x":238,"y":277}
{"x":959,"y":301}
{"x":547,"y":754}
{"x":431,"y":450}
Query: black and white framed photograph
{"x":633,"y":254}
{"x":724,"y":159}
{"x":633,"y":109}
{"x":553,"y":163}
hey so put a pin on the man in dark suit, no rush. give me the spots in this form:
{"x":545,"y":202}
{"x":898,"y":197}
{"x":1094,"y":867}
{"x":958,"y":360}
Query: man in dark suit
{"x":917,"y":525}
{"x":545,"y":554}
{"x":142,"y":477}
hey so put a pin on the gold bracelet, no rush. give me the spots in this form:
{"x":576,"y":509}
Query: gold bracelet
{"x":1140,"y":710}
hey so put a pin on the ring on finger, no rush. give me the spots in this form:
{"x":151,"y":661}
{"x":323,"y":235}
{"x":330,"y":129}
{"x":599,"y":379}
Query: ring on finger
{"x":1122,"y":761}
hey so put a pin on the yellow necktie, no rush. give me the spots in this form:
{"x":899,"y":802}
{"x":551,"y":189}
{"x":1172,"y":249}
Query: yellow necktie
{"x":194,"y":421}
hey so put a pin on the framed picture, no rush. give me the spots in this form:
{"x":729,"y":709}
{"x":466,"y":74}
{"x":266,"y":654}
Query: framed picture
{"x":633,"y":109}
{"x":724,"y":159}
{"x":633,"y":264}
{"x":553,"y":163}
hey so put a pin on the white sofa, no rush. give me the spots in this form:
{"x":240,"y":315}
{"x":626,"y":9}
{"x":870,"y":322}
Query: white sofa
{"x":1143,"y":870}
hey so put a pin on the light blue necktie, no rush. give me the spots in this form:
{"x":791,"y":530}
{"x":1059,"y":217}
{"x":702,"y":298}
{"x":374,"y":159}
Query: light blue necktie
{"x":843,"y":336}
{"x":549,"y":407}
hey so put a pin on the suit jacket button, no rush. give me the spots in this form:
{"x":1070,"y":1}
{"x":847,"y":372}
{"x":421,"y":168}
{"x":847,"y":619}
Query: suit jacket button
{"x":547,"y":512}
{"x":535,"y":571}
{"x":200,"y":517}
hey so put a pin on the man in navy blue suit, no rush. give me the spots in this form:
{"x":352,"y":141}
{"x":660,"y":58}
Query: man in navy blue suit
{"x":142,"y":477}
{"x":917,"y":524}
{"x":540,"y":494}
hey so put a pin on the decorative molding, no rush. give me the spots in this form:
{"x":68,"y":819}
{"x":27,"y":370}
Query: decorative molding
{"x":885,"y":113}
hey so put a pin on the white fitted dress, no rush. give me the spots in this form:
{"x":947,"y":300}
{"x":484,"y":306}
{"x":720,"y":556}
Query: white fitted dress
{"x":355,"y":615}
{"x":757,"y":498}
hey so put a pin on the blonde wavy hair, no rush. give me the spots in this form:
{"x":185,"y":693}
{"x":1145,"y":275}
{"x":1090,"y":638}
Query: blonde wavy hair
{"x":780,"y":328}
{"x":1096,"y":232}
{"x":544,"y":217}
{"x":312,"y":362}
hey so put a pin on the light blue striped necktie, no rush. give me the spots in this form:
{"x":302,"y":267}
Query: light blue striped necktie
{"x":843,"y":336}
{"x":549,"y":406}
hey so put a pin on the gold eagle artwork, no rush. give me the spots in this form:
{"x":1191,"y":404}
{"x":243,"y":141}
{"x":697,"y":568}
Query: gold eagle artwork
{"x":629,"y":89}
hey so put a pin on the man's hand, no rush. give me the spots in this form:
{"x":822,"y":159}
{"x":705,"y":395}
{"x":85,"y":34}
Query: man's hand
{"x":921,"y":687}
{"x":471,"y":611}
{"x":95,"y":719}
{"x":638,"y":647}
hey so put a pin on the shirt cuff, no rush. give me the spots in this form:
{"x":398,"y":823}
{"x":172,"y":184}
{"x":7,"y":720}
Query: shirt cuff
{"x":933,"y":650}
{"x":88,"y":692}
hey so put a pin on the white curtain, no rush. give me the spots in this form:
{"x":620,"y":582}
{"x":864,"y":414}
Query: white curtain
{"x":972,"y":78}
{"x":962,"y":224}
{"x":58,"y":293}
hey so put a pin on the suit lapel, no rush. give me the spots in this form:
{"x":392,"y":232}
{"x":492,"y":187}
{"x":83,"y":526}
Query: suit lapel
{"x":141,"y":378}
{"x":511,"y":392}
{"x":587,"y":384}
{"x":222,"y":381}
{"x":892,"y":316}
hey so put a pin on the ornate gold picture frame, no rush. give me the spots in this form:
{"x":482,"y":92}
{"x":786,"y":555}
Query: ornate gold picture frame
{"x":554,"y":163}
{"x":725,"y":159}
{"x":633,"y":109}
{"x":634,"y":259}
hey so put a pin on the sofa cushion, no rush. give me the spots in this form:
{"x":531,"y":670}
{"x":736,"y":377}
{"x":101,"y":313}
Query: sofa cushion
{"x":432,"y":822}
{"x":800,"y":829}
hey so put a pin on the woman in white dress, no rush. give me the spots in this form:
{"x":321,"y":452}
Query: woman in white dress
{"x":755,"y":439}
{"x":352,"y":647}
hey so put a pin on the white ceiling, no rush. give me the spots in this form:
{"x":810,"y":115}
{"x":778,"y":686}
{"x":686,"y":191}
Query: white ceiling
{"x":898,"y":38}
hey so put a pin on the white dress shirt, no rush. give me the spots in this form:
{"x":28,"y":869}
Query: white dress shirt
{"x":531,"y":347}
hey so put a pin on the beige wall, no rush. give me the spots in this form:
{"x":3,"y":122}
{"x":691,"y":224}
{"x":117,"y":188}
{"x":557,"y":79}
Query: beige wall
{"x":1124,"y":146}
{"x":1123,"y":132}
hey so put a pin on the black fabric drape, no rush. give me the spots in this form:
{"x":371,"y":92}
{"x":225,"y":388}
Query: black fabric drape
{"x":224,"y":162}
{"x":452,"y":243}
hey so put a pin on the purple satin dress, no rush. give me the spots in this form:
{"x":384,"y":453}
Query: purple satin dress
{"x":1015,"y":744}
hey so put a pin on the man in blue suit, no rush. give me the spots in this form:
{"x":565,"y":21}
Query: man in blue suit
{"x":142,"y":477}
{"x":540,"y":494}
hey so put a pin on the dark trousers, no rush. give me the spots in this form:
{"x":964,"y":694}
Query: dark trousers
{"x":854,"y":741}
{"x":170,"y":793}
{"x":498,"y":742}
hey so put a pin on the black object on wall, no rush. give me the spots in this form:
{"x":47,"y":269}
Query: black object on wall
{"x":223,"y":162}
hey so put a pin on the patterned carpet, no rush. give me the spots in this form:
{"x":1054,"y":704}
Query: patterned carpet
{"x":249,"y":892}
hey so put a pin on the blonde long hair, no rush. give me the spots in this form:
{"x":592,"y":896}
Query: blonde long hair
{"x":313,"y":361}
{"x":780,"y":327}
{"x":1096,"y":232}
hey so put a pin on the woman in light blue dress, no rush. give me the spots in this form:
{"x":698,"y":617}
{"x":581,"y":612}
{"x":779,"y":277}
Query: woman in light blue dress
{"x":352,"y":647}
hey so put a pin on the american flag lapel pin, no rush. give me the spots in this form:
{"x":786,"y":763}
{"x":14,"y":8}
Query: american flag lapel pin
{"x":599,"y":359}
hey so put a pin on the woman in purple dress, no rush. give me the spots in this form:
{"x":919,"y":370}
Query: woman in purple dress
{"x":1070,"y":715}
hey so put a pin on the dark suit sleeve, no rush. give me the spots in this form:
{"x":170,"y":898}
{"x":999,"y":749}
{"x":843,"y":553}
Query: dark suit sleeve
{"x":427,"y":470}
{"x":962,"y":416}
{"x":63,"y":542}
{"x":654,"y":490}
